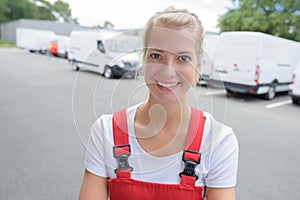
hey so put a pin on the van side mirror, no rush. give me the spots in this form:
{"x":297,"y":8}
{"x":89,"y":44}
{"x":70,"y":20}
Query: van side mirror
{"x":100,"y":46}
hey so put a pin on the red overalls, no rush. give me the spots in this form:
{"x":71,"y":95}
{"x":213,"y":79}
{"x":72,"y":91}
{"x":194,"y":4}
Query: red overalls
{"x":124,"y":188}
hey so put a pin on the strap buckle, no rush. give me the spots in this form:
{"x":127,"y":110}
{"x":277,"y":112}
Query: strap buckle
{"x":122,"y":153}
{"x":190,"y":164}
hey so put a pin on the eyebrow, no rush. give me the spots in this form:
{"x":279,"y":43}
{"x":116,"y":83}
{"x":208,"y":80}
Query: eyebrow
{"x":159,"y":50}
{"x":179,"y":53}
{"x":185,"y":52}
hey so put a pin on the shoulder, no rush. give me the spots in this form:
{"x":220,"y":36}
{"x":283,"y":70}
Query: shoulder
{"x":220,"y":152}
{"x":103,"y":125}
{"x":217,"y":135}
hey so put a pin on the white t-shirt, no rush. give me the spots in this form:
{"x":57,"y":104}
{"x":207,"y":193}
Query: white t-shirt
{"x":217,"y":168}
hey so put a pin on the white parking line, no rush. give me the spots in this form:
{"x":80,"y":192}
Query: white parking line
{"x":216,"y":92}
{"x":274,"y":105}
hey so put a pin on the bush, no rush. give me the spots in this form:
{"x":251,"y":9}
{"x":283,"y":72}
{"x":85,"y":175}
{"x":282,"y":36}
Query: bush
{"x":4,"y":44}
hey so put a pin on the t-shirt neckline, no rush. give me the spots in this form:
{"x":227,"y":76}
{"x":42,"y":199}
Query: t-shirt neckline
{"x":133,"y":138}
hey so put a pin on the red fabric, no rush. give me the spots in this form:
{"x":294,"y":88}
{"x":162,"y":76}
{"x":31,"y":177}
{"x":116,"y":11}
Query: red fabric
{"x":187,"y":180}
{"x":191,"y":156}
{"x":125,"y":188}
{"x":121,"y":150}
{"x":129,"y":189}
{"x":120,"y":128}
{"x":123,"y":174}
{"x":195,"y":131}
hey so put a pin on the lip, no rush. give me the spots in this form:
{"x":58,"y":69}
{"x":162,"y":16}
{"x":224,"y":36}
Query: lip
{"x":166,"y":86}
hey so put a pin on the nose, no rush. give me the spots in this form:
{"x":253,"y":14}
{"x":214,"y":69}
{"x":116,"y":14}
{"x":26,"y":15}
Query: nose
{"x":170,"y":66}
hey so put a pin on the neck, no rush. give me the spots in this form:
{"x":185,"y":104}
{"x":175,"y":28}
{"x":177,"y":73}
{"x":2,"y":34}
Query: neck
{"x":160,"y":128}
{"x":166,"y":115}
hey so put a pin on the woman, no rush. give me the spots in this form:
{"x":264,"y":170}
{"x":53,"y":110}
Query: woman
{"x":163,"y":148}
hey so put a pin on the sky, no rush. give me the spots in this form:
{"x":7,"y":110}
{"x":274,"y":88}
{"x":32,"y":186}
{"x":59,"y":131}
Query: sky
{"x":135,"y":13}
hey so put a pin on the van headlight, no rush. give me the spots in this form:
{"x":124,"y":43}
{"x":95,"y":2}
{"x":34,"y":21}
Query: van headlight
{"x":120,"y":64}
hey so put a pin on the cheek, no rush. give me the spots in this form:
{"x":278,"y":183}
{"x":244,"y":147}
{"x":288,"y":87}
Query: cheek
{"x":149,"y":71}
{"x":188,"y":74}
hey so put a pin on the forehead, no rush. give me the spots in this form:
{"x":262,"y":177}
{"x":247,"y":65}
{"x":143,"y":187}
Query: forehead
{"x":171,"y":40}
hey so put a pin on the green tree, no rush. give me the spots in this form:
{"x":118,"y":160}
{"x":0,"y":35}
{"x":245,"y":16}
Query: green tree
{"x":35,"y":9}
{"x":44,"y":13}
{"x":59,"y":9}
{"x":106,"y":25}
{"x":275,"y":17}
{"x":15,"y":9}
{"x":63,"y":11}
{"x":3,"y":10}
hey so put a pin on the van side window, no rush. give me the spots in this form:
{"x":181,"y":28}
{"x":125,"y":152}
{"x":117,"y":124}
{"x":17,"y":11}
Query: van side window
{"x":100,"y":46}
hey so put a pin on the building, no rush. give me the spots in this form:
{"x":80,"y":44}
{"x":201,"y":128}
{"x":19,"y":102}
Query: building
{"x":8,"y":29}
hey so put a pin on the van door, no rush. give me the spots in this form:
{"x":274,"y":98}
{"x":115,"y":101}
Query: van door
{"x":237,"y":65}
{"x":97,"y":57}
{"x":236,"y":59}
{"x":103,"y":52}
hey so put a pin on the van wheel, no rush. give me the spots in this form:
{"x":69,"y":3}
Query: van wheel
{"x":271,"y":92}
{"x":43,"y":52}
{"x":229,"y":91}
{"x":74,"y":66}
{"x":108,"y":73}
{"x":295,"y":101}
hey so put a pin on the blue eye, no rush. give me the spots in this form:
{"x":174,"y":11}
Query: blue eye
{"x":184,"y":58}
{"x":155,"y":56}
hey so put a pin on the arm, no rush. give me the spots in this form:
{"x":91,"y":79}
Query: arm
{"x":94,"y":184}
{"x":220,"y":193}
{"x":93,"y":187}
{"x":222,"y":165}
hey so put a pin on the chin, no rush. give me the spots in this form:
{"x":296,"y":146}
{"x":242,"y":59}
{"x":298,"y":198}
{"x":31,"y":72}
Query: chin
{"x":166,"y":97}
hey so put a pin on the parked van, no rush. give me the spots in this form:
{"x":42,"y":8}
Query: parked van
{"x":109,"y":53}
{"x":210,"y":43}
{"x":295,"y":92}
{"x":255,"y":63}
{"x":59,"y":46}
{"x":33,"y":39}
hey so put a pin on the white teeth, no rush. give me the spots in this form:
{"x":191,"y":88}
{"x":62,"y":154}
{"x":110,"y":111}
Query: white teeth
{"x":167,"y":85}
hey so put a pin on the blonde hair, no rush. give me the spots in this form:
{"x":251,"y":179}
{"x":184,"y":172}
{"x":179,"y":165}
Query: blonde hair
{"x":176,"y":19}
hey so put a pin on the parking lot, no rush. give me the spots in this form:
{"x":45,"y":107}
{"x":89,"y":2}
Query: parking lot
{"x":47,"y":110}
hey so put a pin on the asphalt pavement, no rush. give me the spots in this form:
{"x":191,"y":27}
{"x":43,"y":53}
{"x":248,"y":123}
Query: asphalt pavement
{"x":47,"y":110}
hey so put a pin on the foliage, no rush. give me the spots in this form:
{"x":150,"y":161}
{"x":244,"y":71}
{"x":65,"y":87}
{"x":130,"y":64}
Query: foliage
{"x":15,"y":9}
{"x":275,"y":17}
{"x":4,"y":44}
{"x":106,"y":25}
{"x":35,"y":9}
{"x":62,"y":11}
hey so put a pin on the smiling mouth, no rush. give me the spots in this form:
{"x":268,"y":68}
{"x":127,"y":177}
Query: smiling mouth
{"x":167,"y":85}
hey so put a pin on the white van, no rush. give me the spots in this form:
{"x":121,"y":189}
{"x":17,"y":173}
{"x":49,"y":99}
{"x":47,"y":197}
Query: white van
{"x":33,"y":39}
{"x":210,"y":43}
{"x":255,"y":63}
{"x":295,"y":92}
{"x":109,"y":53}
{"x":59,"y":46}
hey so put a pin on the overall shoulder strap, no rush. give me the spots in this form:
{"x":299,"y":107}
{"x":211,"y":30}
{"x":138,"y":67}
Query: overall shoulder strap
{"x":120,"y":129}
{"x":195,"y":131}
{"x":121,"y":149}
{"x":191,"y":155}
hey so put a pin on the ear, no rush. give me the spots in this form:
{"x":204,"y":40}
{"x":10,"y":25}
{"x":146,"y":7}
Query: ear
{"x":199,"y":67}
{"x":197,"y":74}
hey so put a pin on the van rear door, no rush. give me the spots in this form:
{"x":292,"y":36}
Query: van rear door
{"x":237,"y":57}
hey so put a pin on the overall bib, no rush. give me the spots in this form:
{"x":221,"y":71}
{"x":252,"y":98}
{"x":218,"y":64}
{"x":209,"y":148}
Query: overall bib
{"x":123,"y":187}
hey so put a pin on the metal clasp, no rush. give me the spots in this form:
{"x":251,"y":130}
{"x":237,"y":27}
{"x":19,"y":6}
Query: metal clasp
{"x":122,"y":153}
{"x":190,"y":165}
